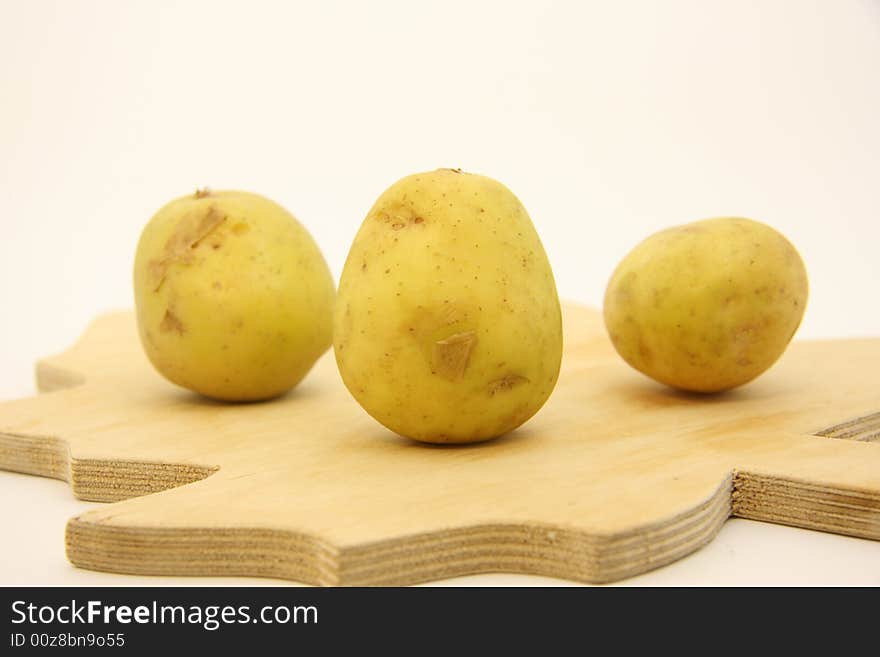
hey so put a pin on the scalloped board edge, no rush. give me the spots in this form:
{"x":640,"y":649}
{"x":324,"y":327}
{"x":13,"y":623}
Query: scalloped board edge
{"x":532,"y":550}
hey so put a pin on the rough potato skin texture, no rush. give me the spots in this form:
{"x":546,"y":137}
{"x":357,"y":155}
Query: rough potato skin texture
{"x":233,"y":298}
{"x":447,"y":326}
{"x":707,"y":306}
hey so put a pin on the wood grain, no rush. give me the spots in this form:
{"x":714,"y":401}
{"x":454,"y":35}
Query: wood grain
{"x":615,"y":476}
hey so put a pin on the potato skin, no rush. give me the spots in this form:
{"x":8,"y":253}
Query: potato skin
{"x":447,"y":326}
{"x":233,"y":298}
{"x":707,"y":306}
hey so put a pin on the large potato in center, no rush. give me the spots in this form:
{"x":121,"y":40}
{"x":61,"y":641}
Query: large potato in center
{"x":447,"y":326}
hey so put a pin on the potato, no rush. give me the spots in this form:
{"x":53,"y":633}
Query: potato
{"x":447,"y":327}
{"x":707,"y":306}
{"x":233,"y":297}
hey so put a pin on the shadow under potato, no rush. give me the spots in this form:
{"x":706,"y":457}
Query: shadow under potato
{"x":649,"y":394}
{"x":295,"y":395}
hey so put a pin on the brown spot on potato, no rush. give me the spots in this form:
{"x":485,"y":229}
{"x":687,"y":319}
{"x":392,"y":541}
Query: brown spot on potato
{"x":450,"y":356}
{"x":190,"y":231}
{"x":505,"y":383}
{"x":398,"y":216}
{"x":204,"y":192}
{"x":745,"y":334}
{"x":171,"y":323}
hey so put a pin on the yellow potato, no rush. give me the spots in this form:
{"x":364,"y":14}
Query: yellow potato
{"x":233,"y":297}
{"x":707,"y":306}
{"x":447,"y":325}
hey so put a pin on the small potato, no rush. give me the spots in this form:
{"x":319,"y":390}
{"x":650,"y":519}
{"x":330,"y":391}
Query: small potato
{"x":448,"y":326}
{"x":707,"y":306}
{"x":233,"y":297}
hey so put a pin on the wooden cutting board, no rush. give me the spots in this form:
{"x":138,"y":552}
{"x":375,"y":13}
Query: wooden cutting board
{"x":615,"y":476}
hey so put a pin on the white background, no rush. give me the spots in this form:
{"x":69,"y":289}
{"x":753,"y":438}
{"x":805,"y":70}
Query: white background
{"x":609,"y":120}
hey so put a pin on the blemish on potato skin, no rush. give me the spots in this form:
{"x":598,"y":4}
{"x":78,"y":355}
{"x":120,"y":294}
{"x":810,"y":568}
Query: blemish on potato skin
{"x":399,"y":216}
{"x":505,"y":383}
{"x":745,"y":334}
{"x":450,"y":356}
{"x":188,"y":234}
{"x":171,"y":323}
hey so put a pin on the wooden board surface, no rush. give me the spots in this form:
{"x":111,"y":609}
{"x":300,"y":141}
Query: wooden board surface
{"x":615,"y":476}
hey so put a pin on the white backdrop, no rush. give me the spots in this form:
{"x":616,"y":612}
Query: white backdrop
{"x":609,"y":120}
